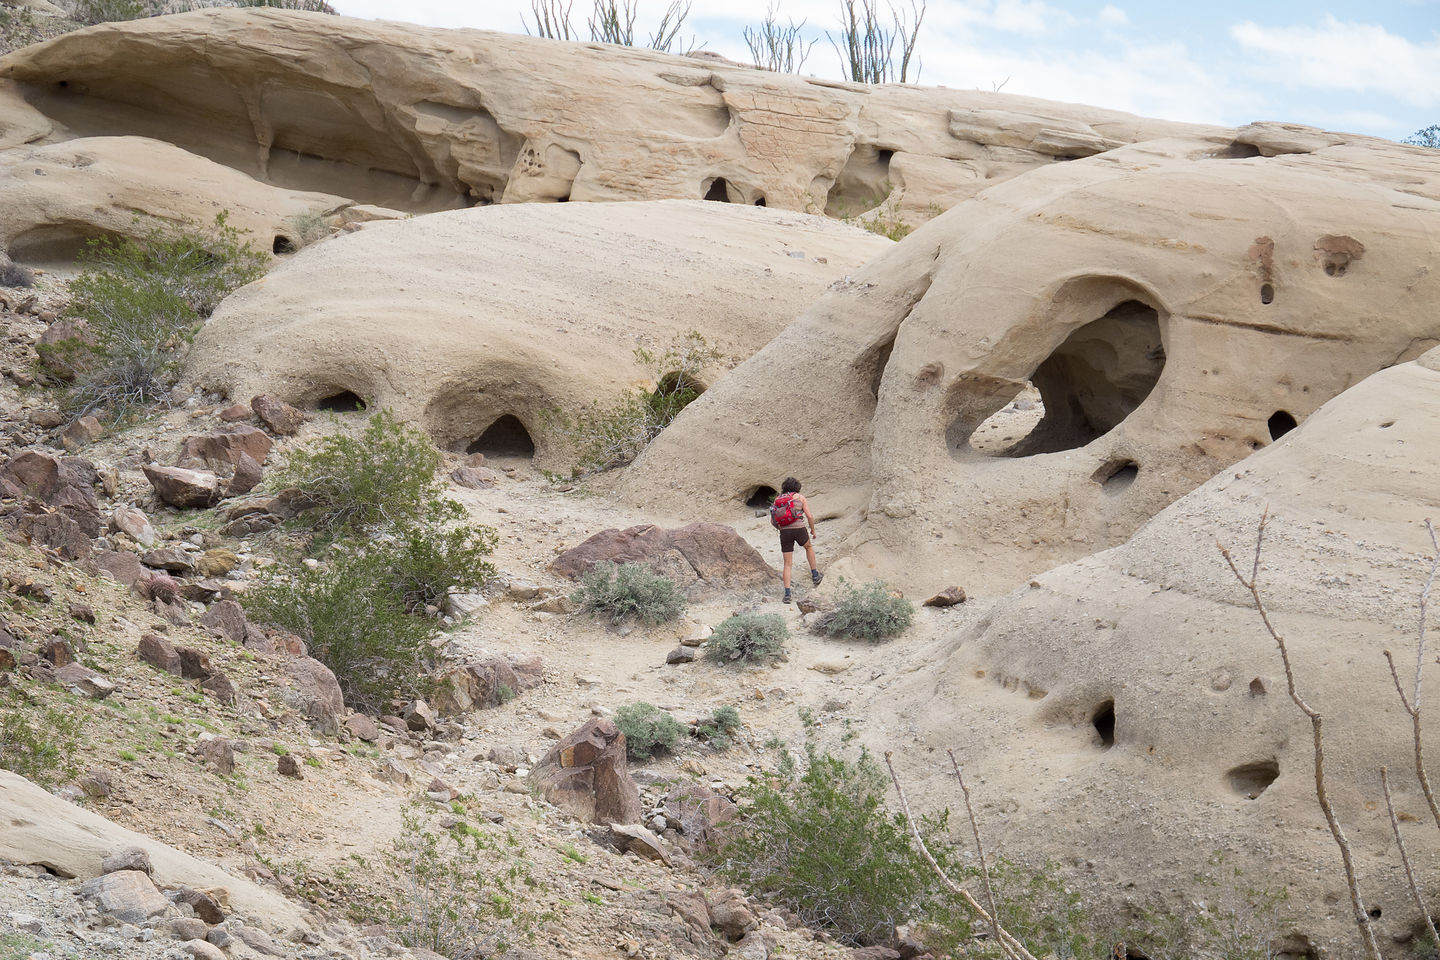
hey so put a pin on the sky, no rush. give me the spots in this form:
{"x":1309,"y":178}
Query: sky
{"x":1358,"y":67}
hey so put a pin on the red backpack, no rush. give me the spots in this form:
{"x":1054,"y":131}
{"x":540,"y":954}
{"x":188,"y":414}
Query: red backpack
{"x":786,"y":510}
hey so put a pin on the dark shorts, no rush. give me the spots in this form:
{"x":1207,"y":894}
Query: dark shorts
{"x":790,"y":536}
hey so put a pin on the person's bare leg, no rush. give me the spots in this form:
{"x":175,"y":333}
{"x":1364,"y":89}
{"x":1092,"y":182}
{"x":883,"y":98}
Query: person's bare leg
{"x":785,"y":569}
{"x":810,"y":554}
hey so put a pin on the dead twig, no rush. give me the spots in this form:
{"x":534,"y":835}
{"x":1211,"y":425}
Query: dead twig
{"x":1362,"y":919}
{"x":980,"y":852}
{"x":1412,"y":703}
{"x":1011,"y":947}
{"x":1405,"y":857}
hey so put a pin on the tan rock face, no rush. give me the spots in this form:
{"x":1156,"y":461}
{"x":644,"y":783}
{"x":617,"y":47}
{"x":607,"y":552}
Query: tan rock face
{"x":1176,"y":307}
{"x":422,"y":119}
{"x":474,"y":324}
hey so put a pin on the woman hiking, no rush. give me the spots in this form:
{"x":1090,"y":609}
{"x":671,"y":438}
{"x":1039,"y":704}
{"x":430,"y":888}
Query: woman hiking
{"x":791,"y":514}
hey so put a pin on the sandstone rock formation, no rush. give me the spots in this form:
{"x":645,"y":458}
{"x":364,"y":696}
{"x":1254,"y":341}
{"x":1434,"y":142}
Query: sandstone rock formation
{"x":474,"y":323}
{"x":1177,"y":304}
{"x":1138,"y":692}
{"x":421,"y":119}
{"x":703,"y":556}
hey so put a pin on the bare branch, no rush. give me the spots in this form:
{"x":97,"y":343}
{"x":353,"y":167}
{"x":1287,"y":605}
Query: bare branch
{"x":1405,"y":857}
{"x":980,"y":852}
{"x":1011,"y":947}
{"x":1362,"y":919}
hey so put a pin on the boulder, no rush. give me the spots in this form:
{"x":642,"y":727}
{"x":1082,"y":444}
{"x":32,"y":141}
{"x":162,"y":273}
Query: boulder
{"x":362,"y":727}
{"x":127,"y":858}
{"x":418,"y":716}
{"x":121,"y":566}
{"x":948,"y":597}
{"x":127,"y":895}
{"x":86,"y":681}
{"x":194,"y":664}
{"x":159,"y":653}
{"x":55,"y":529}
{"x":219,"y":753}
{"x":731,"y":914}
{"x":169,"y":559}
{"x":132,"y":522}
{"x":698,"y":811}
{"x":475,"y":477}
{"x":278,"y":415}
{"x":57,"y":651}
{"x":247,"y":476}
{"x":708,"y":555}
{"x":186,"y":489}
{"x":66,"y":484}
{"x":227,"y":618}
{"x":217,"y":563}
{"x":639,"y":841}
{"x":80,"y":432}
{"x":221,"y":687}
{"x":312,"y":690}
{"x":288,"y":765}
{"x":220,"y":451}
{"x":486,"y":683}
{"x":586,"y":775}
{"x":206,"y":907}
{"x":235,"y":413}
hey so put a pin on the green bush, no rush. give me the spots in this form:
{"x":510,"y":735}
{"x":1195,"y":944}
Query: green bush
{"x":110,"y":11}
{"x":718,"y":729}
{"x":825,"y":847}
{"x":648,"y":730}
{"x":748,"y":638}
{"x":141,"y":301}
{"x":384,"y":477}
{"x":352,"y":620}
{"x":606,"y":436}
{"x":430,"y":561}
{"x":870,"y":612}
{"x":43,"y":751}
{"x":629,"y":589}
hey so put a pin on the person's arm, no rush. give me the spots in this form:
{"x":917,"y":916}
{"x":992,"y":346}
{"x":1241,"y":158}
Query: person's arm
{"x":809,"y":517}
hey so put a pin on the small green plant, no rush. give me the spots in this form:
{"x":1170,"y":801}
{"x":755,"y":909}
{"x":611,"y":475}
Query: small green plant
{"x":429,"y":560}
{"x":748,"y":638}
{"x":570,"y":853}
{"x":279,"y":749}
{"x":870,"y":613}
{"x":718,"y":729}
{"x":140,"y":301}
{"x":384,"y":477}
{"x":648,"y":730}
{"x":308,"y":227}
{"x":42,"y":751}
{"x":607,"y":436}
{"x":129,"y":755}
{"x":19,"y":946}
{"x":630,"y":589}
{"x":505,"y":693}
{"x":825,"y":847}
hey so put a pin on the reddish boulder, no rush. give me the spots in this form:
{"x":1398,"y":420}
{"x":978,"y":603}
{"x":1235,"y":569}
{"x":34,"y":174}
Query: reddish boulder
{"x":66,"y":484}
{"x":159,"y":652}
{"x":312,"y":690}
{"x":278,"y":415}
{"x":585,"y":773}
{"x":228,"y":619}
{"x":701,"y":555}
{"x":183,"y":488}
{"x":487,"y":683}
{"x":221,"y":450}
{"x":122,"y":567}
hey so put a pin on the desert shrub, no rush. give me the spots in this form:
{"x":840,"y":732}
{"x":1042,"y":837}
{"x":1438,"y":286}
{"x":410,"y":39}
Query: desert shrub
{"x":611,"y":435}
{"x":309,"y":6}
{"x":748,"y":638}
{"x":44,"y":750}
{"x":648,"y":730}
{"x":630,"y":589}
{"x":718,"y":728}
{"x":141,"y":301}
{"x":385,"y":476}
{"x":351,"y":618}
{"x":110,"y":11}
{"x":450,"y":889}
{"x":1428,"y":137}
{"x":825,"y":847}
{"x":870,"y":612}
{"x":430,"y":561}
{"x":14,"y":275}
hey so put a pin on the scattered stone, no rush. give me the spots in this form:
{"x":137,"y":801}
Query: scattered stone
{"x":83,"y":431}
{"x":126,"y":895}
{"x":85,"y":681}
{"x":159,"y":653}
{"x":127,"y":858}
{"x":47,"y":418}
{"x":418,"y":716}
{"x":487,"y":683}
{"x":522,"y":590}
{"x":222,"y":688}
{"x":313,"y":691}
{"x":187,"y":928}
{"x":219,"y":753}
{"x":289,"y":766}
{"x":235,"y":413}
{"x":638,"y":840}
{"x":169,"y":559}
{"x":58,"y":652}
{"x":133,"y":522}
{"x":831,"y":667}
{"x":186,"y":489}
{"x":7,"y":659}
{"x":508,"y":759}
{"x":731,"y":914}
{"x":278,"y":415}
{"x":206,"y":907}
{"x":697,"y":811}
{"x":217,"y":563}
{"x":96,"y":784}
{"x":462,"y":606}
{"x":194,"y":664}
{"x":878,"y":952}
{"x":122,"y":567}
{"x":202,"y":950}
{"x":681,"y":654}
{"x":257,"y":940}
{"x":362,"y":727}
{"x":227,"y":618}
{"x":474,"y":478}
{"x":220,"y":451}
{"x":585,"y":773}
{"x":391,"y":771}
{"x":82,"y":612}
{"x":948,"y":597}
{"x":692,"y":908}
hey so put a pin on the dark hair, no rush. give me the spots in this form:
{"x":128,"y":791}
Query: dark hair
{"x":791,"y":485}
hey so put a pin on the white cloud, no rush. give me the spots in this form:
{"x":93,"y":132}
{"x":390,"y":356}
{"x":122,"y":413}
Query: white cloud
{"x":1340,"y":55}
{"x":1113,"y":16}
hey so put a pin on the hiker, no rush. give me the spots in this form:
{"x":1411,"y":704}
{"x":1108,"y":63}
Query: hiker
{"x":790,"y":513}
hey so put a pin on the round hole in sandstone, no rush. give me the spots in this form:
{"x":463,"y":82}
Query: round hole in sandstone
{"x":1257,"y":687}
{"x":1103,"y":720}
{"x":759,"y":201}
{"x":505,"y":437}
{"x":1083,"y":390}
{"x":282,"y":245}
{"x":343,"y":402}
{"x":1280,"y":423}
{"x":1249,"y":780}
{"x":1375,"y":913}
{"x":1116,"y":475}
{"x":1267,"y":293}
{"x":760,"y":498}
{"x":718,"y":190}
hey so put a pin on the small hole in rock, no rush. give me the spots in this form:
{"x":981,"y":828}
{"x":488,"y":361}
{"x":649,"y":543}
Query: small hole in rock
{"x":282,"y":245}
{"x":760,"y":498}
{"x":1116,"y":475}
{"x":342,"y":402}
{"x":1280,"y":423}
{"x":759,"y":201}
{"x":1267,"y":293}
{"x":719,"y":190}
{"x":505,"y":437}
{"x":1257,"y":687}
{"x":1375,"y":913}
{"x":1387,"y":424}
{"x":1250,"y":780}
{"x":1104,"y":721}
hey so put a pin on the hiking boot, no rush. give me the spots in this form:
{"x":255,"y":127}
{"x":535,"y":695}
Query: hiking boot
{"x":816,"y":576}
{"x":787,"y":597}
